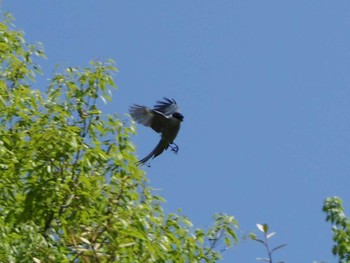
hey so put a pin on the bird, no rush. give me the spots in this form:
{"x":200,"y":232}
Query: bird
{"x":165,"y":118}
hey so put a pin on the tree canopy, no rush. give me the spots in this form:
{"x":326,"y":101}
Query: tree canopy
{"x":70,"y":190}
{"x":333,"y":207}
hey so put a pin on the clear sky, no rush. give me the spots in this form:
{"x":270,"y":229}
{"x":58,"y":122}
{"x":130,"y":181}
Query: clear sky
{"x":265,"y":90}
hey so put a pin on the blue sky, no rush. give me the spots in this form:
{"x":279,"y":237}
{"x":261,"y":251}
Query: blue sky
{"x":264,"y":88}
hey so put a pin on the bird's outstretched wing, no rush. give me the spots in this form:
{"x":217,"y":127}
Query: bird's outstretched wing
{"x":161,"y":146}
{"x":150,"y":118}
{"x":167,"y":107}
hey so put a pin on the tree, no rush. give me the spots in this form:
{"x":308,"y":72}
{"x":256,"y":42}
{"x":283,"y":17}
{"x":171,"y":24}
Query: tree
{"x":70,"y":190}
{"x":264,"y":228}
{"x":333,"y":207}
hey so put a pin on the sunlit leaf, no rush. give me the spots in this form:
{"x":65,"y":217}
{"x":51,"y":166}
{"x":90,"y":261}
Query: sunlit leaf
{"x":270,"y":235}
{"x":260,"y":227}
{"x":263,"y":259}
{"x":85,"y":240}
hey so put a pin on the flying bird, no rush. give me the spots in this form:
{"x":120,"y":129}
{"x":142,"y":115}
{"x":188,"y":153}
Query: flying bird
{"x":165,"y":118}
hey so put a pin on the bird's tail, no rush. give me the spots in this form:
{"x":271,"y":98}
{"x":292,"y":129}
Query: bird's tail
{"x":161,"y":146}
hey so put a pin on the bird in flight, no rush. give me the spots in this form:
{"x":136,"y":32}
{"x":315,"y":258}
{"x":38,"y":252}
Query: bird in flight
{"x":164,"y":118}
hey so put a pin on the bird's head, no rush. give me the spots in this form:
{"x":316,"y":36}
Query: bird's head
{"x":178,"y":115}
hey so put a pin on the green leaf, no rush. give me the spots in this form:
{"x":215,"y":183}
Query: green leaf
{"x":263,"y":228}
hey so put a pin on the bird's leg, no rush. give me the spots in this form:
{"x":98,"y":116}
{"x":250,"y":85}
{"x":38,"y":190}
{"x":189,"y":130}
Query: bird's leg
{"x":174,"y":147}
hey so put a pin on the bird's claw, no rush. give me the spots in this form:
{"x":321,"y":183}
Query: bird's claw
{"x":174,"y":148}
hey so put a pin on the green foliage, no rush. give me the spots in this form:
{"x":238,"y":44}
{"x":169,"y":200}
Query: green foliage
{"x":333,"y":207}
{"x":70,"y":190}
{"x":16,"y":56}
{"x":264,"y":228}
